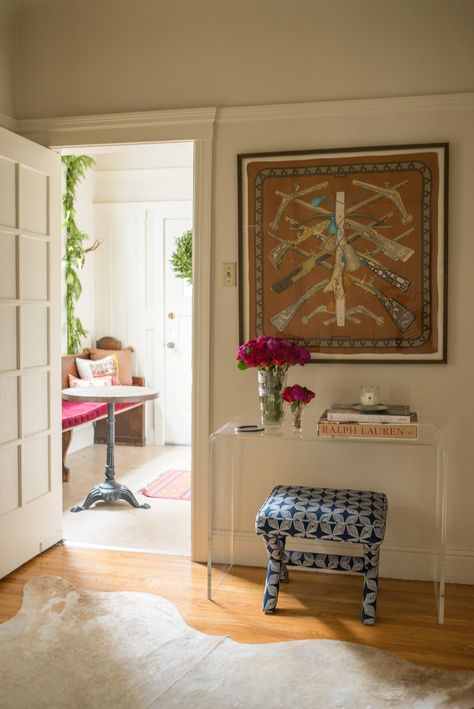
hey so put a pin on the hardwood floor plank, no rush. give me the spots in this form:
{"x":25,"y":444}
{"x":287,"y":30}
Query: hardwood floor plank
{"x":310,"y":606}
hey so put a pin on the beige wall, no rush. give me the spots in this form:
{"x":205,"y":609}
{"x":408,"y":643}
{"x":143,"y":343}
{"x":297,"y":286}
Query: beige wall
{"x":7,"y":44}
{"x":100,"y":56}
{"x":184,"y":54}
{"x":442,"y":394}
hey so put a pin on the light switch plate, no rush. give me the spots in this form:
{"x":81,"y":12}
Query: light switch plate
{"x":230,"y":274}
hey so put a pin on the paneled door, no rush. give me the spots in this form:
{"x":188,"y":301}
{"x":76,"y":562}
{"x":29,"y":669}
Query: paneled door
{"x":30,"y":383}
{"x":178,"y":342}
{"x":142,"y":303}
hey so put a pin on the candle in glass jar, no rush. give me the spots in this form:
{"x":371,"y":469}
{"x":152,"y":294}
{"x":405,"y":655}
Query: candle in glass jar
{"x":369,"y":395}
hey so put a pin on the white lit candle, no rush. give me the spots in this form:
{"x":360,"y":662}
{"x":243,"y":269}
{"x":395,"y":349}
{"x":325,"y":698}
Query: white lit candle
{"x":369,"y":395}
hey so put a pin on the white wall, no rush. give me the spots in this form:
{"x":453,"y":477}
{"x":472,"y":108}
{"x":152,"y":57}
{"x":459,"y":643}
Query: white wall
{"x":134,"y":186}
{"x":186,"y":54}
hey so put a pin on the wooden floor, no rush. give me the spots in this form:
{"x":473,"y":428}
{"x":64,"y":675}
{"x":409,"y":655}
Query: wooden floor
{"x":311,"y":606}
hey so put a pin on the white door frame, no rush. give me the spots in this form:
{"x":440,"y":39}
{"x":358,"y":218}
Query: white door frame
{"x":196,"y":125}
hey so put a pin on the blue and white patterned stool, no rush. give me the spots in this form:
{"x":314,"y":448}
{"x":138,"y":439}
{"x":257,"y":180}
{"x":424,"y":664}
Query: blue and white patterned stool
{"x":330,"y":515}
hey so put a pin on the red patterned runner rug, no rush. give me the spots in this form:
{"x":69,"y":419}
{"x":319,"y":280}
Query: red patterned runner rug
{"x":172,"y":485}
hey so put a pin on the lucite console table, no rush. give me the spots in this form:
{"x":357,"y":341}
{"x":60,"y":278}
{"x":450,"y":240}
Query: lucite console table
{"x":244,"y":467}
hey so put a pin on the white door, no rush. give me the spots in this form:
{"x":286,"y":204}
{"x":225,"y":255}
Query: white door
{"x":178,"y":342}
{"x":30,"y":364}
{"x":134,"y":287}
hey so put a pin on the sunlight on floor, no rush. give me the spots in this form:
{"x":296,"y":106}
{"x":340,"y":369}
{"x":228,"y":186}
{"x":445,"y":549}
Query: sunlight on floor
{"x":165,"y":528}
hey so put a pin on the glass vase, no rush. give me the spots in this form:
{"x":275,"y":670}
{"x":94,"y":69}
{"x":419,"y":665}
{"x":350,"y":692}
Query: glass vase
{"x":270,"y":386}
{"x":297,"y":418}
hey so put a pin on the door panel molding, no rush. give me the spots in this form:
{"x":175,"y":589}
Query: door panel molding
{"x":30,"y":361}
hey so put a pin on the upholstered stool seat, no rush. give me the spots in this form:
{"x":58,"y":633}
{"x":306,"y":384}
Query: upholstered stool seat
{"x":325,"y":514}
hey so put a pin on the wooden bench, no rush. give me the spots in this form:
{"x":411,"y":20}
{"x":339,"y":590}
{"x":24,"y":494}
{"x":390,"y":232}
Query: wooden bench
{"x":130,"y":424}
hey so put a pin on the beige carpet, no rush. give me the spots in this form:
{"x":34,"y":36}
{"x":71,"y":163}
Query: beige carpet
{"x":165,"y":528}
{"x":72,"y":648}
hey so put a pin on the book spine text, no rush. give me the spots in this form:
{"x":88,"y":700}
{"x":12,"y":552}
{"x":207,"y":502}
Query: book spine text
{"x":332,"y":429}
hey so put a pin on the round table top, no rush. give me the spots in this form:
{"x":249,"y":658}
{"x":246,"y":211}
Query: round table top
{"x":113,"y":394}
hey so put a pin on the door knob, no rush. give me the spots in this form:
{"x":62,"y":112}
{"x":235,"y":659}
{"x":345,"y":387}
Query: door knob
{"x":171,"y":345}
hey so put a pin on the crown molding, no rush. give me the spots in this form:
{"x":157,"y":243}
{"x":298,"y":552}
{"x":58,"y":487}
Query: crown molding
{"x":349,"y":107}
{"x":58,"y":131}
{"x":121,"y":120}
{"x":8,"y":122}
{"x":200,"y":119}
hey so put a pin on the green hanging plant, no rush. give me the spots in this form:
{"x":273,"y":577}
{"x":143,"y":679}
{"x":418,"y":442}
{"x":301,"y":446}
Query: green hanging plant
{"x":182,"y":257}
{"x":76,"y":167}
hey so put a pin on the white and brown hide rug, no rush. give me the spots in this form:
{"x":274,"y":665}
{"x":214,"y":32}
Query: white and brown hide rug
{"x":71,"y":648}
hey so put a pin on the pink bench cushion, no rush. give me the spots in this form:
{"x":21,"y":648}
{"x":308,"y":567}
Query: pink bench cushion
{"x":76,"y":412}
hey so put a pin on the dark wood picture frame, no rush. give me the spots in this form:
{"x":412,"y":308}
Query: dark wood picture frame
{"x":345,"y":251}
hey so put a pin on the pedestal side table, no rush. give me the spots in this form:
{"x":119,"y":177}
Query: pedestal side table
{"x":110,"y":489}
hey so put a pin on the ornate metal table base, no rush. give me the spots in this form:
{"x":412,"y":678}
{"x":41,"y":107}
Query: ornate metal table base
{"x":109,"y":490}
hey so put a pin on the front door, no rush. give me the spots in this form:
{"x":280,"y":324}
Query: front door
{"x":30,"y":382}
{"x":146,"y":306}
{"x":178,"y":342}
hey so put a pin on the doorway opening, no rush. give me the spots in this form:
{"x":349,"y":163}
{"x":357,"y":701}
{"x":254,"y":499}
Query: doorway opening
{"x":136,"y":202}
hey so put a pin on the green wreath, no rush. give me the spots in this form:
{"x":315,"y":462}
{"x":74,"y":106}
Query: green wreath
{"x":182,"y":257}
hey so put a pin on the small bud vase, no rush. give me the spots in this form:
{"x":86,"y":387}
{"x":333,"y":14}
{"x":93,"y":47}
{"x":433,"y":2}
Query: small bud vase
{"x":270,"y":386}
{"x":297,"y":418}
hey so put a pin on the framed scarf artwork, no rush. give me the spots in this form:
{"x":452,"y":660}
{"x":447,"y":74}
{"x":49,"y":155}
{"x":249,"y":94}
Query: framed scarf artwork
{"x":345,"y":251}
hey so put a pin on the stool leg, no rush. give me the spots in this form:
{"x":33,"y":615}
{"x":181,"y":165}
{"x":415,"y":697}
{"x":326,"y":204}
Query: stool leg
{"x":371,"y":580}
{"x":274,"y":546}
{"x":284,"y":576}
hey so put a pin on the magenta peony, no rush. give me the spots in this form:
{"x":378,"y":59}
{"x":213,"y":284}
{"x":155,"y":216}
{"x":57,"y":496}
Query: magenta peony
{"x":296,"y":395}
{"x":271,"y":352}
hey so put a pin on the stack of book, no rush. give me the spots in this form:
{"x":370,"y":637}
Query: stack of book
{"x":356,"y":421}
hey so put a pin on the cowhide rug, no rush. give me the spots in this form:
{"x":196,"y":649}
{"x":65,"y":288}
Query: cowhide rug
{"x":72,"y":648}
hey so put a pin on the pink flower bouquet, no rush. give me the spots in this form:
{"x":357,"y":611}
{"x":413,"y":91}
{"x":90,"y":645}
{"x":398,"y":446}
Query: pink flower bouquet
{"x":271,"y":356}
{"x":297,"y":396}
{"x":271,"y":353}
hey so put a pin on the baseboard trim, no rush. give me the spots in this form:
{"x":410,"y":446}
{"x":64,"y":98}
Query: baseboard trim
{"x":399,"y":561}
{"x":460,"y":564}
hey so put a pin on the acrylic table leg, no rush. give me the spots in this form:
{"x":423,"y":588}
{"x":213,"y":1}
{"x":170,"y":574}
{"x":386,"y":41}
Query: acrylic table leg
{"x":441,"y":484}
{"x":67,"y":435}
